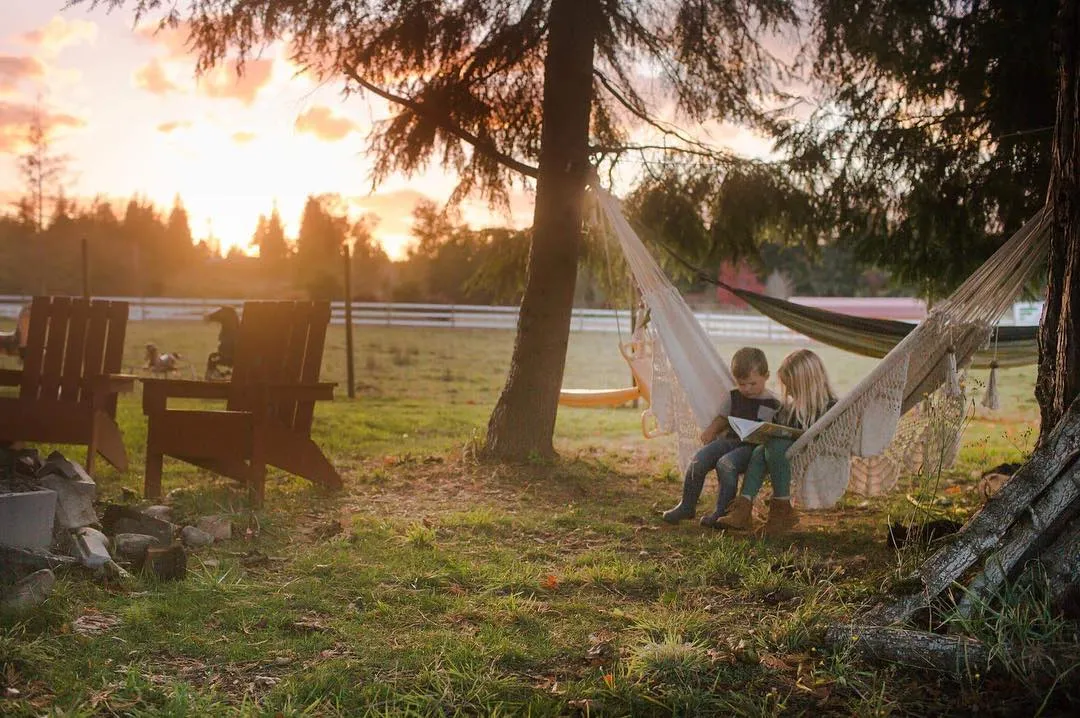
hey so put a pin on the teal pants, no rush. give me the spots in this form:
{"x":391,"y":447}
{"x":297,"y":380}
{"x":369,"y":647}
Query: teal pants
{"x":769,"y":458}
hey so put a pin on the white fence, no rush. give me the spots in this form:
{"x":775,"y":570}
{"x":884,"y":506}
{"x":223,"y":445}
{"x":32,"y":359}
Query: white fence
{"x":728,"y":325}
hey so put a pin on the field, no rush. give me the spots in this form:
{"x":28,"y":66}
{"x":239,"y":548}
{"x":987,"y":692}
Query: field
{"x":437,"y":584}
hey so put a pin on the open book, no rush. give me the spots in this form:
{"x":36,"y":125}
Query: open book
{"x":756,"y":432}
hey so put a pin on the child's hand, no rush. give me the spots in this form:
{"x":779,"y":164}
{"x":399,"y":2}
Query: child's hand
{"x":708,"y":435}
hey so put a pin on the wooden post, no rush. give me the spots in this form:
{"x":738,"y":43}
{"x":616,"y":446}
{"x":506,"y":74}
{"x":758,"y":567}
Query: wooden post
{"x":85,"y":269}
{"x":350,"y":372}
{"x":634,"y":299}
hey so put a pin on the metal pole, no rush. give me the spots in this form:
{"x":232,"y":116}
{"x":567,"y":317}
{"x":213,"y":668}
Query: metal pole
{"x":348,"y":322}
{"x":85,"y":269}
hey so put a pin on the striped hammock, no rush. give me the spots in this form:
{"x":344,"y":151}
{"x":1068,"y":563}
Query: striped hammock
{"x":1009,"y":346}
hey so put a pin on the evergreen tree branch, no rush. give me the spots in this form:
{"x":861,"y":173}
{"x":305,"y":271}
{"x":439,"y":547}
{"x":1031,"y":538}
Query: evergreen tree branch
{"x":482,"y":146}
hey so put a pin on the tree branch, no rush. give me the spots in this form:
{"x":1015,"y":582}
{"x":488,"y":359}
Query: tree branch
{"x":703,"y":149}
{"x":482,"y":146}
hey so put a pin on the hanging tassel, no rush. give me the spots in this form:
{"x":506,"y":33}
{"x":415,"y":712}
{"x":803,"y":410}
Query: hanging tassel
{"x":952,"y":377}
{"x":992,"y":400}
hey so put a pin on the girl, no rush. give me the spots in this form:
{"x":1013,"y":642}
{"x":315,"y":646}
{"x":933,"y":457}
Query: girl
{"x":807,"y":395}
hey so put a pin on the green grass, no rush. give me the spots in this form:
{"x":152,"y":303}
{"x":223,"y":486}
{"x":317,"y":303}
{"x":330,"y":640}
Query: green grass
{"x":458,"y":587}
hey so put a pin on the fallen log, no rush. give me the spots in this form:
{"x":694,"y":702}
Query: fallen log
{"x":1039,"y":503}
{"x":956,"y":655}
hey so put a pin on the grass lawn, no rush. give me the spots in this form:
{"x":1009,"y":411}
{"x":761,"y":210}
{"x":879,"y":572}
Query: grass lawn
{"x":437,"y":584}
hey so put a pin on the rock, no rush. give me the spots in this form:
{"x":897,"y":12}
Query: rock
{"x":17,"y":562}
{"x":120,"y":519}
{"x":28,"y":593}
{"x":132,"y":547}
{"x":159,"y":512}
{"x":166,"y":564}
{"x":217,"y":526}
{"x":74,"y":496}
{"x":195,"y":538}
{"x":24,"y":462}
{"x":56,"y":464}
{"x":26,"y":518}
{"x":92,"y":547}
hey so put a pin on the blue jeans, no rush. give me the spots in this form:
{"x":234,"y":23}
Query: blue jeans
{"x":728,"y":468}
{"x":729,"y":457}
{"x":771,"y":458}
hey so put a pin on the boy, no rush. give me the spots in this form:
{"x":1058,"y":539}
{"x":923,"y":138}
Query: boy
{"x":722,"y":450}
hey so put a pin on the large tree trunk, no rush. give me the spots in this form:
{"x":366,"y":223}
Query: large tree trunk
{"x":1035,"y":517}
{"x":523,"y":421}
{"x":1059,"y":342}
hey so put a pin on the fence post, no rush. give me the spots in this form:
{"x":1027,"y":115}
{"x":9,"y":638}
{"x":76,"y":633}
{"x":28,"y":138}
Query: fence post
{"x":350,"y":372}
{"x":85,"y":268}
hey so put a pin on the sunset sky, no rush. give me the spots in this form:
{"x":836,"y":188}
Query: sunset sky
{"x":126,"y":108}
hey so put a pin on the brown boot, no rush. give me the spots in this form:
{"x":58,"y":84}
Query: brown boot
{"x":738,"y":516}
{"x":782,"y":517}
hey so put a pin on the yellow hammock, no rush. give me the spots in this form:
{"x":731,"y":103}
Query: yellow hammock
{"x":638,"y":356}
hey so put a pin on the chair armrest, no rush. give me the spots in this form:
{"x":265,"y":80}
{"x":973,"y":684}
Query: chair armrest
{"x":157,"y":391}
{"x":109,"y":383}
{"x":10,"y":377}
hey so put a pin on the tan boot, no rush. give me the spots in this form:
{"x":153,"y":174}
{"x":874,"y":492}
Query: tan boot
{"x":782,"y":517}
{"x":738,"y":516}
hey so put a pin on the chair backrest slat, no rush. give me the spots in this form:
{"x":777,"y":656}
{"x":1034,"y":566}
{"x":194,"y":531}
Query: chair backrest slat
{"x":113,"y":361}
{"x":97,"y":327}
{"x":318,"y":320}
{"x":69,"y":340}
{"x":78,"y":322}
{"x":276,"y":343}
{"x":40,"y":307}
{"x":54,"y":348}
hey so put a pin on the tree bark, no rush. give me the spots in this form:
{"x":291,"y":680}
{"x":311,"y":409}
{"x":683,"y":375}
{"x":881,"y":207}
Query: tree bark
{"x":1058,"y":380}
{"x":924,"y":651}
{"x":523,"y":421}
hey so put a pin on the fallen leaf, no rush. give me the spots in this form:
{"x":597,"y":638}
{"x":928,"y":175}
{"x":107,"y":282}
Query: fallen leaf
{"x":770,"y":661}
{"x":550,"y":582}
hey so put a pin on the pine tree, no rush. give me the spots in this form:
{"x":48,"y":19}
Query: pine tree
{"x":496,"y":91}
{"x":42,"y":170}
{"x":179,"y":244}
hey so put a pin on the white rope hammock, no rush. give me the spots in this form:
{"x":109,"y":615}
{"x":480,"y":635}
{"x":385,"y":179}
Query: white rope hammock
{"x":691,"y":382}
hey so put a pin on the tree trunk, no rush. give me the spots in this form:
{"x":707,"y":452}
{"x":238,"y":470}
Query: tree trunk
{"x":1058,"y":380}
{"x":523,"y":421}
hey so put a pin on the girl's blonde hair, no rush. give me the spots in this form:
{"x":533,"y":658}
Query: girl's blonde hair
{"x":805,"y":386}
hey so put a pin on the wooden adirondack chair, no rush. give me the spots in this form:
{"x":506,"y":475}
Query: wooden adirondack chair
{"x":269,"y":404}
{"x":70,"y":378}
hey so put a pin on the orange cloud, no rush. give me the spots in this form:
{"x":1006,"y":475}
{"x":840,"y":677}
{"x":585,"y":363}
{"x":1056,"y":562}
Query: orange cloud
{"x":174,"y":38}
{"x":242,"y":138}
{"x":59,"y":33}
{"x":14,"y":69}
{"x":321,"y":122}
{"x":153,"y":79}
{"x":167,"y":127}
{"x":226,"y":82}
{"x":15,"y":119}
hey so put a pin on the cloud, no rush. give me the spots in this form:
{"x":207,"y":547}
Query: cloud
{"x":174,"y":39}
{"x":15,"y":119}
{"x":152,"y":78}
{"x":242,"y":138}
{"x":14,"y":69}
{"x":224,"y":82}
{"x":394,"y":209}
{"x":167,"y":127}
{"x":321,"y":122}
{"x":59,"y":33}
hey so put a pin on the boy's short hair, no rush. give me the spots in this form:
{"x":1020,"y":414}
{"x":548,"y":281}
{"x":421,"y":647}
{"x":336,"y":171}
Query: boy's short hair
{"x":747,"y":360}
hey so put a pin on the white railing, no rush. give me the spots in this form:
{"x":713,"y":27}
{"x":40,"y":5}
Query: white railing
{"x":728,"y":325}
